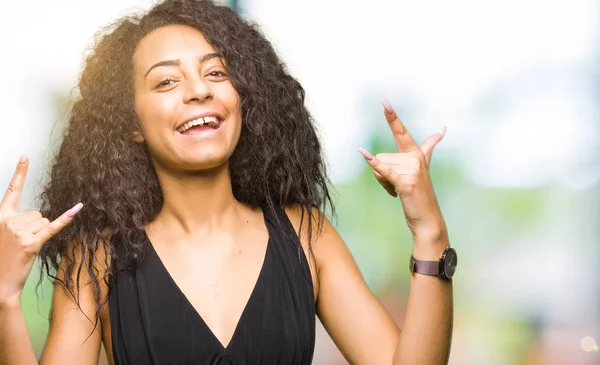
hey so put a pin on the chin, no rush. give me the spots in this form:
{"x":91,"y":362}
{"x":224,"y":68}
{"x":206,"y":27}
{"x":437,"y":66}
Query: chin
{"x":209,"y":163}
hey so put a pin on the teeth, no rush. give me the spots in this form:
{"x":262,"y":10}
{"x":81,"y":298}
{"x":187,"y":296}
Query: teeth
{"x":210,"y":121}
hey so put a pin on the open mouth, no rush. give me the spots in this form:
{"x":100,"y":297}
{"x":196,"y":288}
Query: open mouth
{"x":200,"y":125}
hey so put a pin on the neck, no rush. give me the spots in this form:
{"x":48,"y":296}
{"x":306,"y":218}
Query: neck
{"x":197,"y":203}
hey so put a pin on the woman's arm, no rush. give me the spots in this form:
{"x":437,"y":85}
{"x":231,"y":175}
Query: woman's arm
{"x":64,"y":345}
{"x":69,"y":327}
{"x":72,"y":338}
{"x":15,"y":344}
{"x":360,"y":326}
{"x":427,"y":329}
{"x":21,"y":237}
{"x":357,"y":322}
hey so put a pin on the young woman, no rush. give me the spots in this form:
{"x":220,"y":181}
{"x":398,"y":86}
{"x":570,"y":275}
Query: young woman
{"x":201,"y":237}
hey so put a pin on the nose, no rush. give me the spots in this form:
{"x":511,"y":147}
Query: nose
{"x":197,"y":90}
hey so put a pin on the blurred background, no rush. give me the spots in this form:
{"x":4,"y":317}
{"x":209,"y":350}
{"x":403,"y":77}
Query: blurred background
{"x":517,"y":83}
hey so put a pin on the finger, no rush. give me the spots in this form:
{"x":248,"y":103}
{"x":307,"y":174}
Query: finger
{"x":387,"y":172}
{"x":21,"y":221}
{"x":428,"y":145}
{"x":37,"y":225}
{"x":404,"y":140}
{"x":385,"y":184}
{"x":58,"y":224}
{"x":12,"y":197}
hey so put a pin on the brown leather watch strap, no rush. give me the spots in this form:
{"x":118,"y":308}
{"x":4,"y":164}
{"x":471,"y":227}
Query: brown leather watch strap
{"x":425,"y":267}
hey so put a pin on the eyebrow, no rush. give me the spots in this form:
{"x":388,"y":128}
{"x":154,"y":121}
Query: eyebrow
{"x":206,"y":57}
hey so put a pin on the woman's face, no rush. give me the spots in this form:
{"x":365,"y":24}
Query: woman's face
{"x":181,"y":82}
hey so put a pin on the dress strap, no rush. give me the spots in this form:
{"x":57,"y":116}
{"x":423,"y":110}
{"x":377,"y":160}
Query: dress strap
{"x":288,"y":245}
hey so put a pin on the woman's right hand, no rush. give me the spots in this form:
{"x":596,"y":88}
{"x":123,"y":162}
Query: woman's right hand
{"x":22,"y":235}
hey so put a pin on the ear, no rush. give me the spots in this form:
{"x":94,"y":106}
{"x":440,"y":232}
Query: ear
{"x":137,"y":136}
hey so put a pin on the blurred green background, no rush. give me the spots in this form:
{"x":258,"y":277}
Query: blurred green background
{"x":517,"y":176}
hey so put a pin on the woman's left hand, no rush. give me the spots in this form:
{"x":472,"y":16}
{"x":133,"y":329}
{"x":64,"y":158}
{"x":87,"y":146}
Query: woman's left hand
{"x":406,"y":173}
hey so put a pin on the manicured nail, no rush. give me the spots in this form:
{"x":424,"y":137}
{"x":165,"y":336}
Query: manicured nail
{"x":443,"y":132}
{"x":22,"y":159}
{"x":387,"y":106}
{"x":366,"y":154}
{"x":71,"y":212}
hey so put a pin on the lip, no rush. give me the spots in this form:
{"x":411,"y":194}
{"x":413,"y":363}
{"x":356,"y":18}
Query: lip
{"x":206,"y":114}
{"x":205,"y":133}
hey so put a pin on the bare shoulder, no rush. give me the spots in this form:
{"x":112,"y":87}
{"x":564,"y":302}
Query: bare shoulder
{"x":324,"y":236}
{"x":76,"y":332}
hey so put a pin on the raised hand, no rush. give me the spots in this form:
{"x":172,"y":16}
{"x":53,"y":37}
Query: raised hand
{"x":22,"y":235}
{"x":406,"y":173}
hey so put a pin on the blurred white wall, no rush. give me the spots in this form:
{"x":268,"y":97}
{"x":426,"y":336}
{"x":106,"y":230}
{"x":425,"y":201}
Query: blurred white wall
{"x":457,"y":63}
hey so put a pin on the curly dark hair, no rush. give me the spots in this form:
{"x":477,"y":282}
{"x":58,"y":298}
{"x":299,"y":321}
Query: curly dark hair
{"x":278,"y":159}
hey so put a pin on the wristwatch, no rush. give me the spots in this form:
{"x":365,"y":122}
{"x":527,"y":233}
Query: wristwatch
{"x":444,"y":268}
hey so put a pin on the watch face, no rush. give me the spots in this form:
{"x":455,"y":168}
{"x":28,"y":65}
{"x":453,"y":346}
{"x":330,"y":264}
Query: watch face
{"x":450,"y":262}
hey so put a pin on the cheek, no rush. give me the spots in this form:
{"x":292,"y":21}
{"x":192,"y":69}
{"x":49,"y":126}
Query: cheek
{"x":231,"y":101}
{"x":228,"y":95}
{"x":151,"y":107}
{"x":238,"y":121}
{"x":154,"y":113}
{"x":143,"y":112}
{"x":236,"y":102}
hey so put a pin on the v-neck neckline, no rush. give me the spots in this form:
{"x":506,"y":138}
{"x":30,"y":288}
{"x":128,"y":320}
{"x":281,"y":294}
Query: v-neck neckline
{"x":197,"y":315}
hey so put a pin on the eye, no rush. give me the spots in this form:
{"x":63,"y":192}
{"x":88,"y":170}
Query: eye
{"x":164,"y":83}
{"x":217,"y":74}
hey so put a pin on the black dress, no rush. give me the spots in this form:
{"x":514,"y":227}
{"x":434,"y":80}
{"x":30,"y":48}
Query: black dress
{"x":152,"y":322}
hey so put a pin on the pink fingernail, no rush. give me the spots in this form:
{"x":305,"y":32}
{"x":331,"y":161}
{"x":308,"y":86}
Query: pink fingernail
{"x":71,"y":212}
{"x":22,"y":159}
{"x":443,"y":132}
{"x":387,"y":106}
{"x":366,"y":153}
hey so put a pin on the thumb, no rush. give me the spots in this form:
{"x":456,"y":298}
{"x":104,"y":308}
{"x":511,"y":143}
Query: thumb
{"x":428,"y":145}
